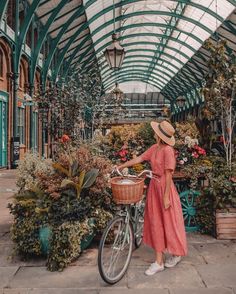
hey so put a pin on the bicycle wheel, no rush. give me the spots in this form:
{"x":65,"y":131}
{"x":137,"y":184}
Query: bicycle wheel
{"x":115,"y":250}
{"x":138,"y":226}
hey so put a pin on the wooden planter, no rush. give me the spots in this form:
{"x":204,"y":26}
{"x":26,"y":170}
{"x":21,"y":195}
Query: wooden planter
{"x":226,"y":224}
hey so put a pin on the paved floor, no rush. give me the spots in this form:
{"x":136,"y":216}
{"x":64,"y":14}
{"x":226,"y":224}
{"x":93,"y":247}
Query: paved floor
{"x":210,"y":267}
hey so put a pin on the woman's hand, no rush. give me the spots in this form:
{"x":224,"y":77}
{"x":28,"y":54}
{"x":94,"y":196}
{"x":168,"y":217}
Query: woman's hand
{"x":166,"y":201}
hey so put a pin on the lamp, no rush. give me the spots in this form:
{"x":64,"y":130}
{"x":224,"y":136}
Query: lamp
{"x":114,"y":53}
{"x":180,"y":101}
{"x":117,"y":93}
{"x":165,"y":111}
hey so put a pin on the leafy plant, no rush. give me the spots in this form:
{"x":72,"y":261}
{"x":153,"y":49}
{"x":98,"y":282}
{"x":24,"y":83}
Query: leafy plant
{"x":219,"y":92}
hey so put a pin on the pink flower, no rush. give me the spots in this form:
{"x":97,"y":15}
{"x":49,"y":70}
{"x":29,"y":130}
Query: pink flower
{"x":181,"y":162}
{"x":195,"y":154}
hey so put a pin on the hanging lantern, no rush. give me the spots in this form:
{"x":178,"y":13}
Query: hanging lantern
{"x":118,"y":94}
{"x":115,"y":53}
{"x":180,"y":101}
{"x":165,"y":111}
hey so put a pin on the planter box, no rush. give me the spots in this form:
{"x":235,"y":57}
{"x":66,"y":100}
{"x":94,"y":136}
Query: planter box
{"x":226,"y":224}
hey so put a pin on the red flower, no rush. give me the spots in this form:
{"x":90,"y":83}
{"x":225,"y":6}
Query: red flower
{"x":195,"y":154}
{"x":123,"y":159}
{"x":123,"y":153}
{"x":65,"y":138}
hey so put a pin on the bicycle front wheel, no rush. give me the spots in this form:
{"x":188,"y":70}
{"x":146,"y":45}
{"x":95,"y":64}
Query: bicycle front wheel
{"x":115,"y":250}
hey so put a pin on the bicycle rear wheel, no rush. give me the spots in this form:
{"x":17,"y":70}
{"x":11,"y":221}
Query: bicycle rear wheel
{"x":115,"y":250}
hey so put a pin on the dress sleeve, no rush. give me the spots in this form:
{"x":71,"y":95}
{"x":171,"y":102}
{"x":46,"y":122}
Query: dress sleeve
{"x":169,"y":158}
{"x":146,"y":156}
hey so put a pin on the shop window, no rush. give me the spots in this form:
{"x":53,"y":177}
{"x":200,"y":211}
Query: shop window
{"x":1,"y":63}
{"x":21,"y":124}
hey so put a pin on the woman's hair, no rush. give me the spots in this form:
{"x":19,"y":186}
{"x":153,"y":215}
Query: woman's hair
{"x":162,"y":142}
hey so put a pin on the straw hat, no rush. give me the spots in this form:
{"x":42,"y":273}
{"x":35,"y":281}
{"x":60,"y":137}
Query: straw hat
{"x":165,"y":131}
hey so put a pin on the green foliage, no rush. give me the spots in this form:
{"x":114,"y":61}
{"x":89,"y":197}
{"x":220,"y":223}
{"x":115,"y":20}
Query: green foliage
{"x":25,"y":228}
{"x":52,"y":201}
{"x":218,"y":193}
{"x":66,"y":243}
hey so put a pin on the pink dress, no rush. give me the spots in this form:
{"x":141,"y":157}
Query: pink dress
{"x":163,"y":228}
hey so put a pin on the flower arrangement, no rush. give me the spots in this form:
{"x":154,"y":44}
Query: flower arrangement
{"x":188,"y":152}
{"x":62,"y":195}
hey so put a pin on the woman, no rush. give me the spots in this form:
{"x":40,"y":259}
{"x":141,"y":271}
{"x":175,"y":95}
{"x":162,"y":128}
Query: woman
{"x":163,"y":220}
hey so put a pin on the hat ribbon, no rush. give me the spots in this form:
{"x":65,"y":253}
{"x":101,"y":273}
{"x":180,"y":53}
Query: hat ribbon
{"x":163,"y":132}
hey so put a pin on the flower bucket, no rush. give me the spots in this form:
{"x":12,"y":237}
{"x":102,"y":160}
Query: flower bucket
{"x":45,"y":234}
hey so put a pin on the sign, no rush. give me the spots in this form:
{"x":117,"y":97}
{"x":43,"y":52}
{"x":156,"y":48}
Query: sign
{"x":28,"y":103}
{"x":15,"y":148}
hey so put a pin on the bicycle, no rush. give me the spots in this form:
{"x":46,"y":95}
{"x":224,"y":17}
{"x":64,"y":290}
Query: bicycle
{"x":120,"y":234}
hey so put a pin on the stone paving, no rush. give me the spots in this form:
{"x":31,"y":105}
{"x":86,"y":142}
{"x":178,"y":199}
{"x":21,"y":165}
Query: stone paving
{"x":209,"y":268}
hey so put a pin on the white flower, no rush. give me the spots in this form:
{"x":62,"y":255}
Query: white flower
{"x":185,"y":159}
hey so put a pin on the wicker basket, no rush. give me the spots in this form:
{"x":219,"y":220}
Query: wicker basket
{"x":127,"y":193}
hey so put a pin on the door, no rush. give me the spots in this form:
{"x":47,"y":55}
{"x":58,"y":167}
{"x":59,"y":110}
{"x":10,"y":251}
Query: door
{"x":3,"y":129}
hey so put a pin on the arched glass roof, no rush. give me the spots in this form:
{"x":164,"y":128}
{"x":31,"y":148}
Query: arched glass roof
{"x":163,"y":39}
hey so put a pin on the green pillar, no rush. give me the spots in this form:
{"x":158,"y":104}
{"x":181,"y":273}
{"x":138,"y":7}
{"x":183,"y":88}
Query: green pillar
{"x":16,"y":72}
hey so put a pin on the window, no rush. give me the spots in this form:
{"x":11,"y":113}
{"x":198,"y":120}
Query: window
{"x":21,"y":124}
{"x":1,"y":63}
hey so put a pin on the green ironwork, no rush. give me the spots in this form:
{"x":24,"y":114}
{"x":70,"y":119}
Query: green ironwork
{"x":105,"y":45}
{"x":41,"y":38}
{"x":188,"y":202}
{"x":23,"y":31}
{"x":53,"y":48}
{"x":3,"y":8}
{"x":138,"y":78}
{"x":170,"y":28}
{"x":122,"y":17}
{"x":3,"y":128}
{"x":159,"y":82}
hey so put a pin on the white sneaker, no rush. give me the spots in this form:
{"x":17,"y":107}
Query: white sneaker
{"x":172,"y":261}
{"x":154,"y":268}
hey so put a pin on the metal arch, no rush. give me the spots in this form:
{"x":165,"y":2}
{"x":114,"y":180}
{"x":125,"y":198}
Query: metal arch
{"x":128,"y":69}
{"x":3,"y":8}
{"x":136,"y":72}
{"x":150,"y":43}
{"x":91,"y":2}
{"x":138,"y":78}
{"x":23,"y":32}
{"x":42,"y":36}
{"x":123,"y":37}
{"x":48,"y":61}
{"x":135,"y":66}
{"x":145,"y":61}
{"x":137,"y":13}
{"x":160,"y":47}
{"x":150,"y":57}
{"x":143,"y":13}
{"x":131,"y":75}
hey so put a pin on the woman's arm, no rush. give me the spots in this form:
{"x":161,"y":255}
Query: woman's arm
{"x":166,"y":199}
{"x":130,"y":162}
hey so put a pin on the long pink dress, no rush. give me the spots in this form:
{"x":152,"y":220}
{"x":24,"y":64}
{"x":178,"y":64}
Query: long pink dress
{"x":163,"y":228}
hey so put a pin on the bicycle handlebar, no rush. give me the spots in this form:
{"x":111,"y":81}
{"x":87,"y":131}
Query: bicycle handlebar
{"x":147,"y":172}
